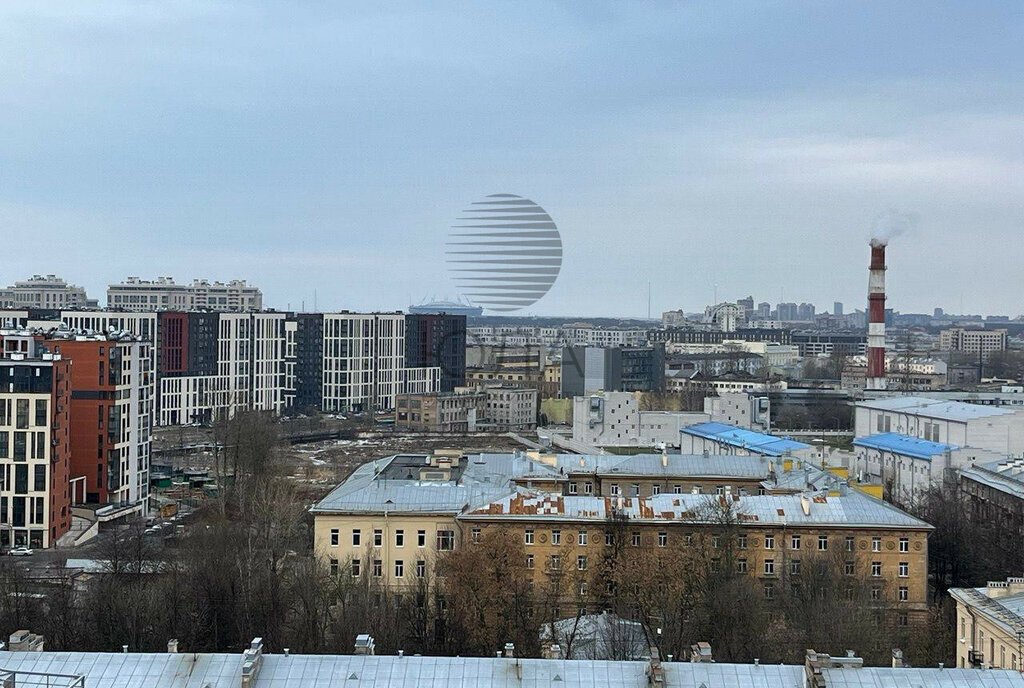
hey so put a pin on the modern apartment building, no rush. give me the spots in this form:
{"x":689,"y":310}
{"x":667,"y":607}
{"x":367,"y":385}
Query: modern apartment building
{"x":437,"y":341}
{"x":35,"y":442}
{"x":627,"y":369}
{"x":353,"y":362}
{"x":112,"y":393}
{"x":164,"y":293}
{"x":44,"y":291}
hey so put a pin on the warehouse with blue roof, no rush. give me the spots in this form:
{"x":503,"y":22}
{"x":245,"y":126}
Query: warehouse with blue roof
{"x":720,"y":438}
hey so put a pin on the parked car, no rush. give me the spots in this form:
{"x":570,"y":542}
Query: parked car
{"x":20,"y":551}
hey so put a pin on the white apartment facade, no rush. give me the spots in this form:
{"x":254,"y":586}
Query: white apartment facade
{"x":363,"y":361}
{"x":43,"y":291}
{"x":164,"y":294}
{"x":511,"y":409}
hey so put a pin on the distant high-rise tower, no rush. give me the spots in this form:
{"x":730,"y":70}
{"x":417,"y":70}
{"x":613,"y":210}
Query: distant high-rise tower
{"x":837,"y":308}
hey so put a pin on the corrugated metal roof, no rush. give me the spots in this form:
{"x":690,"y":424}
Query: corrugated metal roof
{"x":904,"y":445}
{"x":935,"y":408}
{"x":750,"y":440}
{"x":853,"y":509}
{"x":185,"y":670}
{"x":1006,"y":475}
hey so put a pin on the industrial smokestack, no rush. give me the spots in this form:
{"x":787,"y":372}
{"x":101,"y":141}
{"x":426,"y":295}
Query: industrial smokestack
{"x":876,"y":317}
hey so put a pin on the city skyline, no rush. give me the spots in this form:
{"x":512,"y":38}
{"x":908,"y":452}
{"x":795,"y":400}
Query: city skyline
{"x":329,"y":154}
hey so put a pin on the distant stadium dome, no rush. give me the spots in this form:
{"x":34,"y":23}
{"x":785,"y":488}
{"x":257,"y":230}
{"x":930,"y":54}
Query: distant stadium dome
{"x":450,"y":307}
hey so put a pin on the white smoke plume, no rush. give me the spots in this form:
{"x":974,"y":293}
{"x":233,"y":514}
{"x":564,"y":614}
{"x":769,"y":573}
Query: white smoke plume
{"x":890,"y":225}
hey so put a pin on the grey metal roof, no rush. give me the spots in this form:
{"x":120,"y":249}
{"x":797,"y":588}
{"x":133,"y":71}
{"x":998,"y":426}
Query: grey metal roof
{"x":185,"y":670}
{"x":853,"y":509}
{"x":936,"y":408}
{"x":1006,"y":475}
{"x":482,"y":480}
{"x":906,"y":677}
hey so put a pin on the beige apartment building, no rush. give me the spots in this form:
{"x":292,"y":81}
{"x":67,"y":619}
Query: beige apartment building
{"x":393,"y":517}
{"x":990,"y":625}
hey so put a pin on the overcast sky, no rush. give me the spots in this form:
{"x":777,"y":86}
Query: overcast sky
{"x":328,"y":147}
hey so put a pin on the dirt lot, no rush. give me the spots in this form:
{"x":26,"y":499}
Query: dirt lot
{"x":319,"y":466}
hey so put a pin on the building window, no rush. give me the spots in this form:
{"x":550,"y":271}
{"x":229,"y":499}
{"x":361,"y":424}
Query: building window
{"x":556,"y":562}
{"x":848,"y":568}
{"x":904,"y":544}
{"x":529,"y":561}
{"x":794,"y":567}
{"x":614,"y":489}
{"x":904,"y":593}
{"x":588,"y":488}
{"x":609,"y":538}
{"x":822,"y":543}
{"x":677,"y":489}
{"x":876,"y":569}
{"x":334,"y":567}
{"x":378,"y":568}
{"x":582,"y":538}
{"x":421,"y":538}
{"x":794,"y":542}
{"x":904,"y":570}
{"x":355,"y":568}
{"x":355,"y":537}
{"x":475,"y":534}
{"x":769,"y":591}
{"x":769,"y":567}
{"x":399,"y":568}
{"x":769,"y":541}
{"x":556,"y":537}
{"x":655,"y":489}
{"x":378,"y":538}
{"x":445,"y":540}
{"x":581,"y":563}
{"x":335,"y":536}
{"x":635,"y":539}
{"x":876,"y":544}
{"x":901,"y":619}
{"x":399,"y":538}
{"x":528,"y":536}
{"x":741,"y":566}
{"x":662,"y":539}
{"x":572,"y":488}
{"x":716,"y":541}
{"x":876,"y":593}
{"x":849,"y":543}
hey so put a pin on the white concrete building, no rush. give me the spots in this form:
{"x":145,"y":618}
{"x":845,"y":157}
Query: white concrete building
{"x":44,"y":291}
{"x":614,"y":419}
{"x":993,"y":428}
{"x":907,"y":466}
{"x":164,"y":294}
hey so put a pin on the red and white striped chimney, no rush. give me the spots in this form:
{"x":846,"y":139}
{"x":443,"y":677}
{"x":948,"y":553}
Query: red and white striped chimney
{"x":876,"y":317}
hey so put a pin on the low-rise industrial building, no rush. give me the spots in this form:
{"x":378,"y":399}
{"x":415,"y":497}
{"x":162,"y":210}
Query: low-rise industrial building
{"x":720,"y":438}
{"x":992,"y":428}
{"x":906,"y":466}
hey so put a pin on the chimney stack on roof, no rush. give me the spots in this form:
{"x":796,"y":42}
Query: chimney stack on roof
{"x":364,"y":644}
{"x":876,"y":317}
